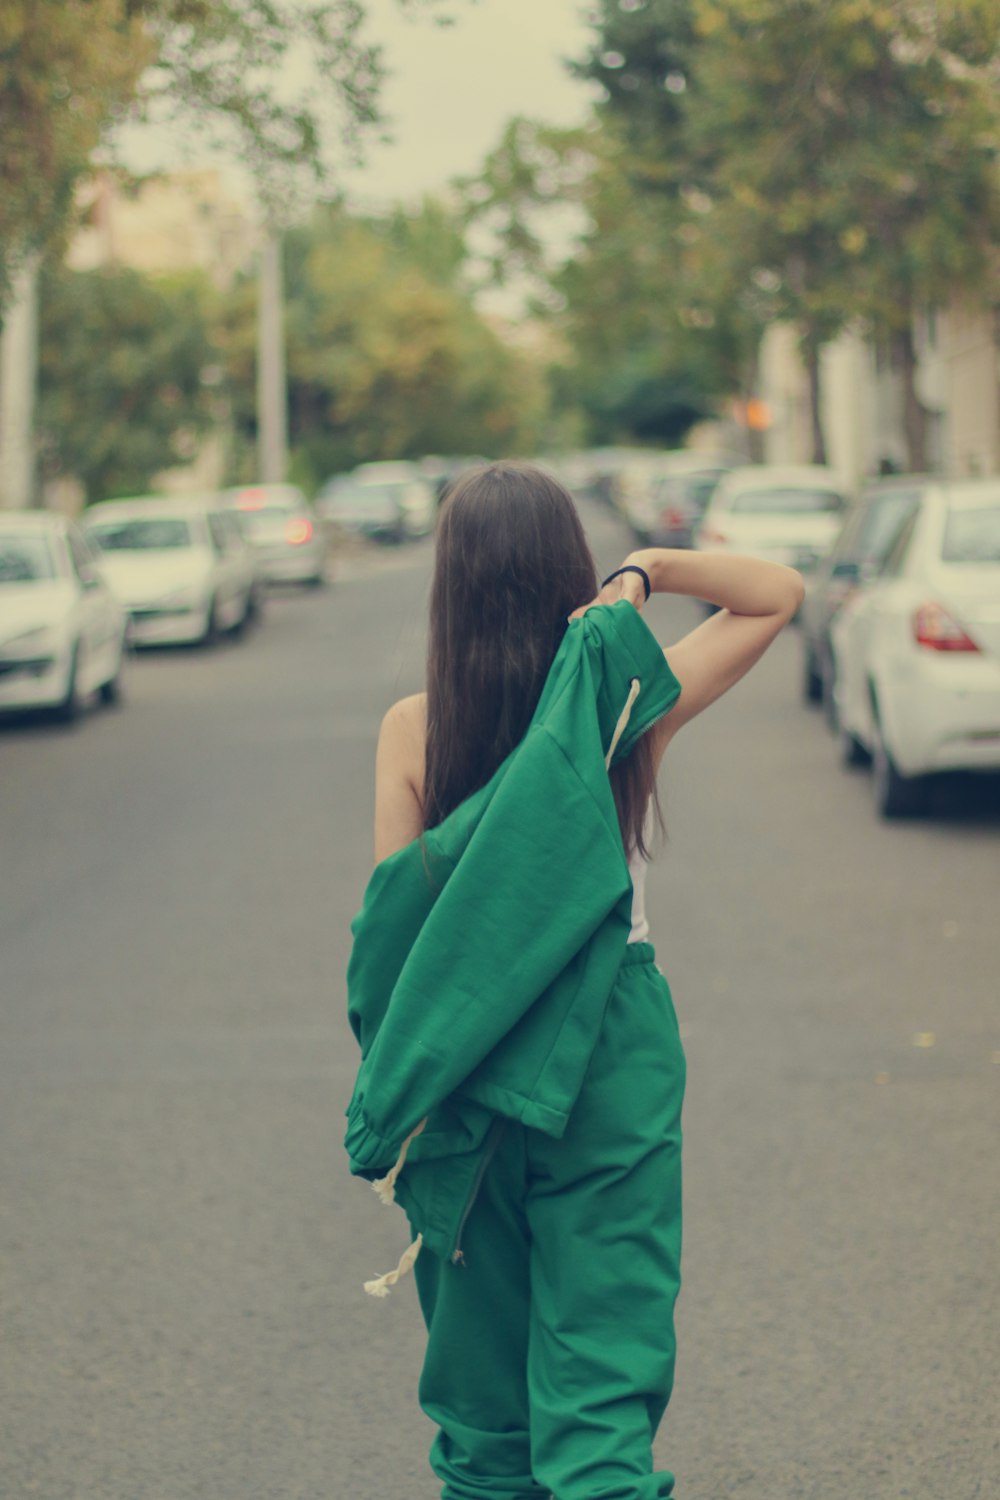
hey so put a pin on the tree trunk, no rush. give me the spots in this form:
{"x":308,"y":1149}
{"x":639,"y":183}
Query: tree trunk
{"x":750,"y":382}
{"x":914,"y":411}
{"x":18,"y":381}
{"x":272,"y":392}
{"x":812,"y":358}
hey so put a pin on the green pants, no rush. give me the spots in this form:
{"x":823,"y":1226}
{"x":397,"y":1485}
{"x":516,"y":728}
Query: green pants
{"x":550,"y":1353}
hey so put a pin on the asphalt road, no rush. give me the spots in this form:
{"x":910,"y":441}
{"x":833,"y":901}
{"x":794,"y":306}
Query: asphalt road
{"x":182,"y":1249}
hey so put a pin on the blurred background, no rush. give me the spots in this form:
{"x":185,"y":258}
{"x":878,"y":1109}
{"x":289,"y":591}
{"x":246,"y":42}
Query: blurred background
{"x":273,"y":274}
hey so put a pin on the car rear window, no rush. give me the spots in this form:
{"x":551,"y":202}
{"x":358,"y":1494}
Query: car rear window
{"x":153,"y":535}
{"x":882,"y":524}
{"x":368,"y":494}
{"x":972,"y":535}
{"x":25,"y":559}
{"x":786,"y":501}
{"x":266,"y":516}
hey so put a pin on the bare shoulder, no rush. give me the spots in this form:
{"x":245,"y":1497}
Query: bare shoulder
{"x":403,"y":736}
{"x":407,"y":717}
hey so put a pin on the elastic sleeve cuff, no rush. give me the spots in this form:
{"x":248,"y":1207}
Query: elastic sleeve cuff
{"x":367,"y":1149}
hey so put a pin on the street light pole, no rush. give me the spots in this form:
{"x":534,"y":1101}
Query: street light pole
{"x":272,"y":398}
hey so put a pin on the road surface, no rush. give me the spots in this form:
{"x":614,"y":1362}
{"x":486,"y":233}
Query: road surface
{"x":182,"y":1248}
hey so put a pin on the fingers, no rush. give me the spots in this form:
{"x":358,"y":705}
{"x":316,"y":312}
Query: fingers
{"x":618,"y":588}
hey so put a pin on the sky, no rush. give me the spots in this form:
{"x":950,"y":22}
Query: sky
{"x":449,"y":92}
{"x":454,"y":88}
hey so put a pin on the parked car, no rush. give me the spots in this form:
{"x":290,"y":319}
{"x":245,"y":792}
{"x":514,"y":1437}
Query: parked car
{"x":858,"y":554}
{"x":784,"y":514}
{"x":662,"y":495}
{"x":917,"y":652}
{"x":182,"y":568}
{"x":442,"y":470}
{"x":62,"y":633}
{"x":288,"y":542}
{"x":388,"y":502}
{"x":679,"y":500}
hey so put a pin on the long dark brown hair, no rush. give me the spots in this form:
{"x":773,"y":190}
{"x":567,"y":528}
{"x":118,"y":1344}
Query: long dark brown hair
{"x":512,"y":563}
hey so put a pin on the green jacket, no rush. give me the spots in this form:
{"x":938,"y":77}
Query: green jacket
{"x":485,"y":952}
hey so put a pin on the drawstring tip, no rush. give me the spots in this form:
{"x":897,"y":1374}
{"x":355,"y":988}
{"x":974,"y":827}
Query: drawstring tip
{"x":385,"y":1189}
{"x":380,"y":1286}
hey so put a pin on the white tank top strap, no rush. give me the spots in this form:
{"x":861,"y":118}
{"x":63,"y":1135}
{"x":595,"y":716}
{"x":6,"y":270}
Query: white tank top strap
{"x":637,"y":867}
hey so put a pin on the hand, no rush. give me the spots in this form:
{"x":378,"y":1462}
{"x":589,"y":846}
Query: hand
{"x":626,"y":586}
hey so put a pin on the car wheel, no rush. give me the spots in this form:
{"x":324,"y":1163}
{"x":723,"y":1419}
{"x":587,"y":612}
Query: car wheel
{"x":210,"y":634}
{"x":255,"y":606}
{"x":828,"y":697}
{"x":812,"y":682}
{"x":896,"y":796}
{"x":853,"y":754}
{"x":111,"y":691}
{"x":68,"y":710}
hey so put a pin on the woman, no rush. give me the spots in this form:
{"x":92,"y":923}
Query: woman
{"x":550,"y":1326}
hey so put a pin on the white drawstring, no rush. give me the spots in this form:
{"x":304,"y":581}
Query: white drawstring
{"x":380,"y":1286}
{"x":623,"y":719}
{"x":385,"y":1187}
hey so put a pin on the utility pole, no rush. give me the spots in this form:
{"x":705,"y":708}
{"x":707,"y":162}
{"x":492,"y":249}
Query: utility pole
{"x":18,"y":378}
{"x":272,"y":396}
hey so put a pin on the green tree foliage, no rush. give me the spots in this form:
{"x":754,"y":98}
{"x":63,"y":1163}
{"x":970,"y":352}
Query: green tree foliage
{"x":121,"y":364}
{"x":69,"y":69}
{"x":387,"y":355}
{"x":642,"y":359}
{"x":861,"y":162}
{"x":643,"y":60}
{"x":837,"y":159}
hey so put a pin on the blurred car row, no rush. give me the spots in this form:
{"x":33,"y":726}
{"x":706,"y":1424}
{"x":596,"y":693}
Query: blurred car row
{"x":171,"y":570}
{"x":155,"y":570}
{"x":389,"y":502}
{"x":901,"y":618}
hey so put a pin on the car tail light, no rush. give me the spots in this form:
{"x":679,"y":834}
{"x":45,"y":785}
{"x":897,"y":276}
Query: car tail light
{"x":298,"y":531}
{"x":672,"y":519}
{"x":934,"y":628}
{"x":251,"y":499}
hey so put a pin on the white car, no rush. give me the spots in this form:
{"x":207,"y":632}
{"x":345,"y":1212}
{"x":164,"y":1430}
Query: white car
{"x":784,"y":514}
{"x":62,"y":634}
{"x":182,"y":568}
{"x":278,"y":520}
{"x":917,"y":651}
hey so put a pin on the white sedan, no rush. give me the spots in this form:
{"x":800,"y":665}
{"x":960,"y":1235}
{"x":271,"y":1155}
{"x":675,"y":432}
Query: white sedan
{"x":62,"y":635}
{"x":917,"y":652}
{"x":182,"y":568}
{"x":784,"y":514}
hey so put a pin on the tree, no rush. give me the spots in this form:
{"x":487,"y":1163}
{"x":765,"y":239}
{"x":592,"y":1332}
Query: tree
{"x":842,"y":154}
{"x":69,"y":69}
{"x":122,"y":365}
{"x":642,"y":360}
{"x":387,"y":355}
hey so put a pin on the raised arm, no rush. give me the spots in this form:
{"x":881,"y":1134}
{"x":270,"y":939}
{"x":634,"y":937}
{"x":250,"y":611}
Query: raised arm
{"x":755,"y":598}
